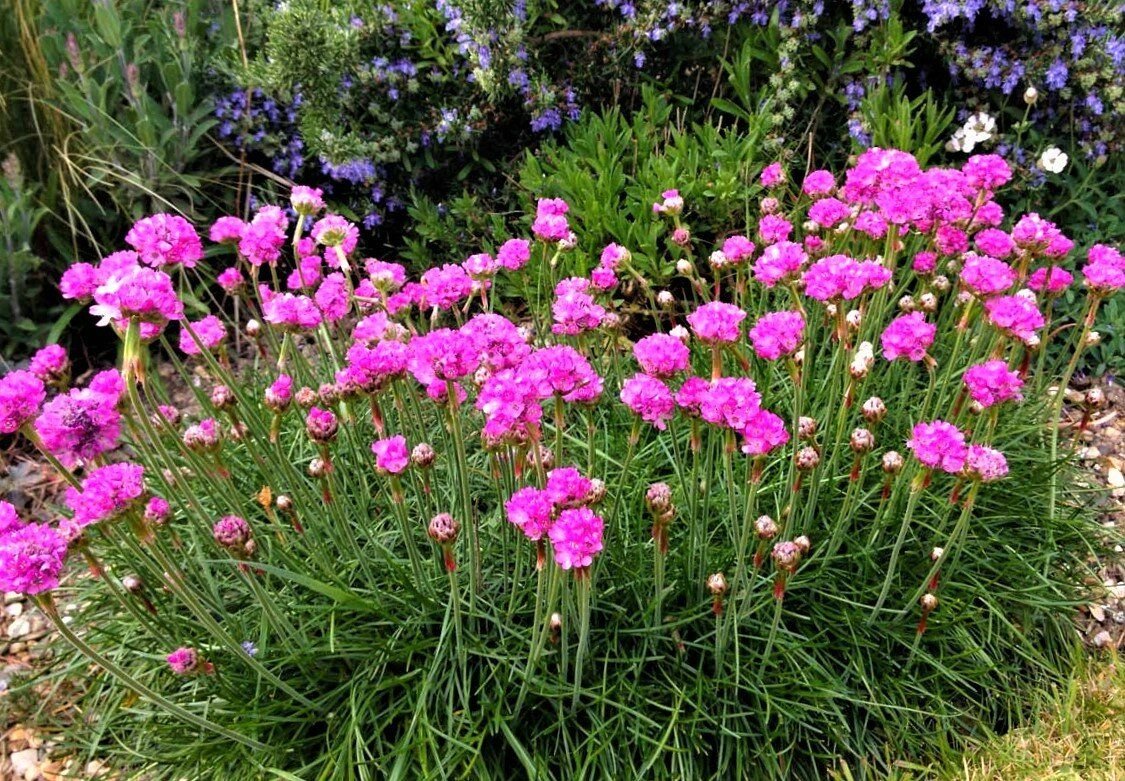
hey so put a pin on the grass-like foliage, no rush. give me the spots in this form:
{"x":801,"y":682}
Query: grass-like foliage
{"x":786,"y":540}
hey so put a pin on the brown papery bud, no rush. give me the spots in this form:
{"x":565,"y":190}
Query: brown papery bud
{"x":1095,"y":398}
{"x":305,"y":397}
{"x":717,"y":584}
{"x":765,"y":528}
{"x":222,"y":397}
{"x":929,"y":602}
{"x":807,"y":459}
{"x":444,"y":529}
{"x":422,"y":456}
{"x":874,"y":410}
{"x":806,"y":427}
{"x":892,"y":462}
{"x":862,"y":440}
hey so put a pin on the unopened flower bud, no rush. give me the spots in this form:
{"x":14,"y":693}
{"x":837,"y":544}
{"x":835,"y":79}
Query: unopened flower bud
{"x":830,"y":310}
{"x":658,"y":497}
{"x":717,"y":584}
{"x":807,"y":459}
{"x":253,"y":329}
{"x":133,"y":584}
{"x":568,"y":243}
{"x":854,"y":319}
{"x":555,"y":622}
{"x":305,"y":397}
{"x":803,"y":544}
{"x":284,"y":503}
{"x":680,"y":333}
{"x":422,"y":456}
{"x":786,"y":556}
{"x":1095,"y":398}
{"x":328,"y":394}
{"x":874,"y":410}
{"x":811,"y":227}
{"x":806,"y":427}
{"x":665,"y":299}
{"x":222,"y":397}
{"x":937,"y":553}
{"x":765,"y":528}
{"x":907,"y":304}
{"x":770,"y":205}
{"x":611,"y":321}
{"x":862,"y":440}
{"x":684,"y":267}
{"x":1093,"y":338}
{"x":321,"y":425}
{"x":233,"y":533}
{"x":892,"y":462}
{"x":444,"y":529}
{"x":597,"y":491}
{"x":1030,"y":95}
{"x":940,"y":283}
{"x":928,"y":302}
{"x":318,"y":468}
{"x":681,"y":237}
{"x":964,"y":297}
{"x":976,"y":408}
{"x":929,"y":602}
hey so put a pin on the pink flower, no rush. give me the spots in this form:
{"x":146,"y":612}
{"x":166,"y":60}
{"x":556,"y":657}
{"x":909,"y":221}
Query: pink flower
{"x":717,"y":322}
{"x":689,"y":398}
{"x":873,"y":224}
{"x":391,"y":455}
{"x":561,"y":370}
{"x":233,"y":533}
{"x":183,"y":661}
{"x":10,"y":520}
{"x":79,"y":282}
{"x":231,"y":280}
{"x":567,"y":487}
{"x":510,"y":406}
{"x":165,"y":240}
{"x":829,"y":212}
{"x":671,"y":203}
{"x":210,"y":332}
{"x":306,"y":200}
{"x":818,"y":182}
{"x":332,"y":230}
{"x":650,"y":399}
{"x":603,"y":278}
{"x":1104,"y":270}
{"x":772,"y":175}
{"x":227,"y":230}
{"x":498,"y":341}
{"x":332,"y":297}
{"x":264,"y":236}
{"x":309,"y":272}
{"x":662,"y":355}
{"x":925,"y":263}
{"x":387,"y":277}
{"x":289,"y":312}
{"x":372,"y":367}
{"x":279,"y":394}
{"x":50,"y":364}
{"x":780,"y":263}
{"x":939,"y":445}
{"x":612,"y":256}
{"x":1035,"y":234}
{"x":156,"y":510}
{"x":21,"y":394}
{"x":840,"y":277}
{"x":441,"y":355}
{"x":986,"y":172}
{"x":773,"y":228}
{"x":730,"y":402}
{"x":550,"y":220}
{"x":575,"y":310}
{"x":576,"y":538}
{"x":108,"y":383}
{"x":79,"y":425}
{"x":445,"y":286}
{"x":204,"y":435}
{"x":140,"y":293}
{"x":777,"y":334}
{"x":31,"y":559}
{"x":985,"y":276}
{"x":480,"y":266}
{"x":992,"y":382}
{"x":514,"y":254}
{"x":994,"y":242}
{"x":1016,"y":315}
{"x":950,"y":240}
{"x":321,"y":425}
{"x":908,"y":336}
{"x":1052,"y":280}
{"x":985,"y":464}
{"x":763,"y":432}
{"x":737,"y":249}
{"x":530,"y":509}
{"x":106,"y":493}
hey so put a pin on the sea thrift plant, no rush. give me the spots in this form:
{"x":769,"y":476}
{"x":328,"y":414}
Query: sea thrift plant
{"x":527,"y":486}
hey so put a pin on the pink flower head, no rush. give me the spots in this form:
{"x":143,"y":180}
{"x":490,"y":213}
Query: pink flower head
{"x":872,"y":223}
{"x":372,"y":367}
{"x":717,"y":322}
{"x":1050,"y":281}
{"x":1104,"y":270}
{"x":510,"y":406}
{"x":441,"y":355}
{"x":986,"y":172}
{"x":603,"y":278}
{"x":289,"y":312}
{"x":445,"y":286}
{"x":879,"y":171}
{"x":31,"y":559}
{"x":332,"y":297}
{"x":264,"y":236}
{"x":560,"y":370}
{"x":777,"y":334}
{"x":233,"y":533}
{"x":480,"y":266}
{"x":670,"y":203}
{"x":939,"y":445}
{"x":650,"y":399}
{"x":737,"y":249}
{"x":157,"y":509}
{"x":730,"y":402}
{"x":612,"y":256}
{"x":227,"y":230}
{"x":925,"y":263}
{"x":109,"y":384}
{"x":575,"y":310}
{"x":514,"y":254}
{"x":992,"y":382}
{"x":204,"y":435}
{"x":1017,"y":316}
{"x":183,"y":661}
{"x":840,"y":277}
{"x":550,"y":220}
{"x":985,"y":464}
{"x":498,"y":341}
{"x":321,"y":425}
{"x":576,"y":538}
{"x":307,"y":274}
{"x":79,"y":425}
{"x":994,"y":242}
{"x":689,"y":398}
{"x":772,"y":175}
{"x":567,"y":487}
{"x":231,"y":280}
{"x":106,"y":493}
{"x":985,"y":276}
{"x":332,"y":230}
{"x":773,"y":228}
{"x":530,"y":510}
{"x":165,"y":240}
{"x":10,"y":520}
{"x":780,"y":263}
{"x":818,"y":182}
{"x":386,"y":276}
{"x":21,"y":394}
{"x":908,"y":336}
{"x":306,"y":201}
{"x":210,"y":332}
{"x":950,"y":240}
{"x":990,"y":214}
{"x":50,"y":364}
{"x":1033,"y":233}
{"x":662,"y":355}
{"x":763,"y":432}
{"x":279,"y":394}
{"x":79,"y":282}
{"x":829,"y":212}
{"x":142,"y":294}
{"x":391,"y":455}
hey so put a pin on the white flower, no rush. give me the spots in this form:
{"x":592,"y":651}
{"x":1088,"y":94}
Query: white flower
{"x":1030,"y":95}
{"x":1053,"y":160}
{"x":978,"y":128}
